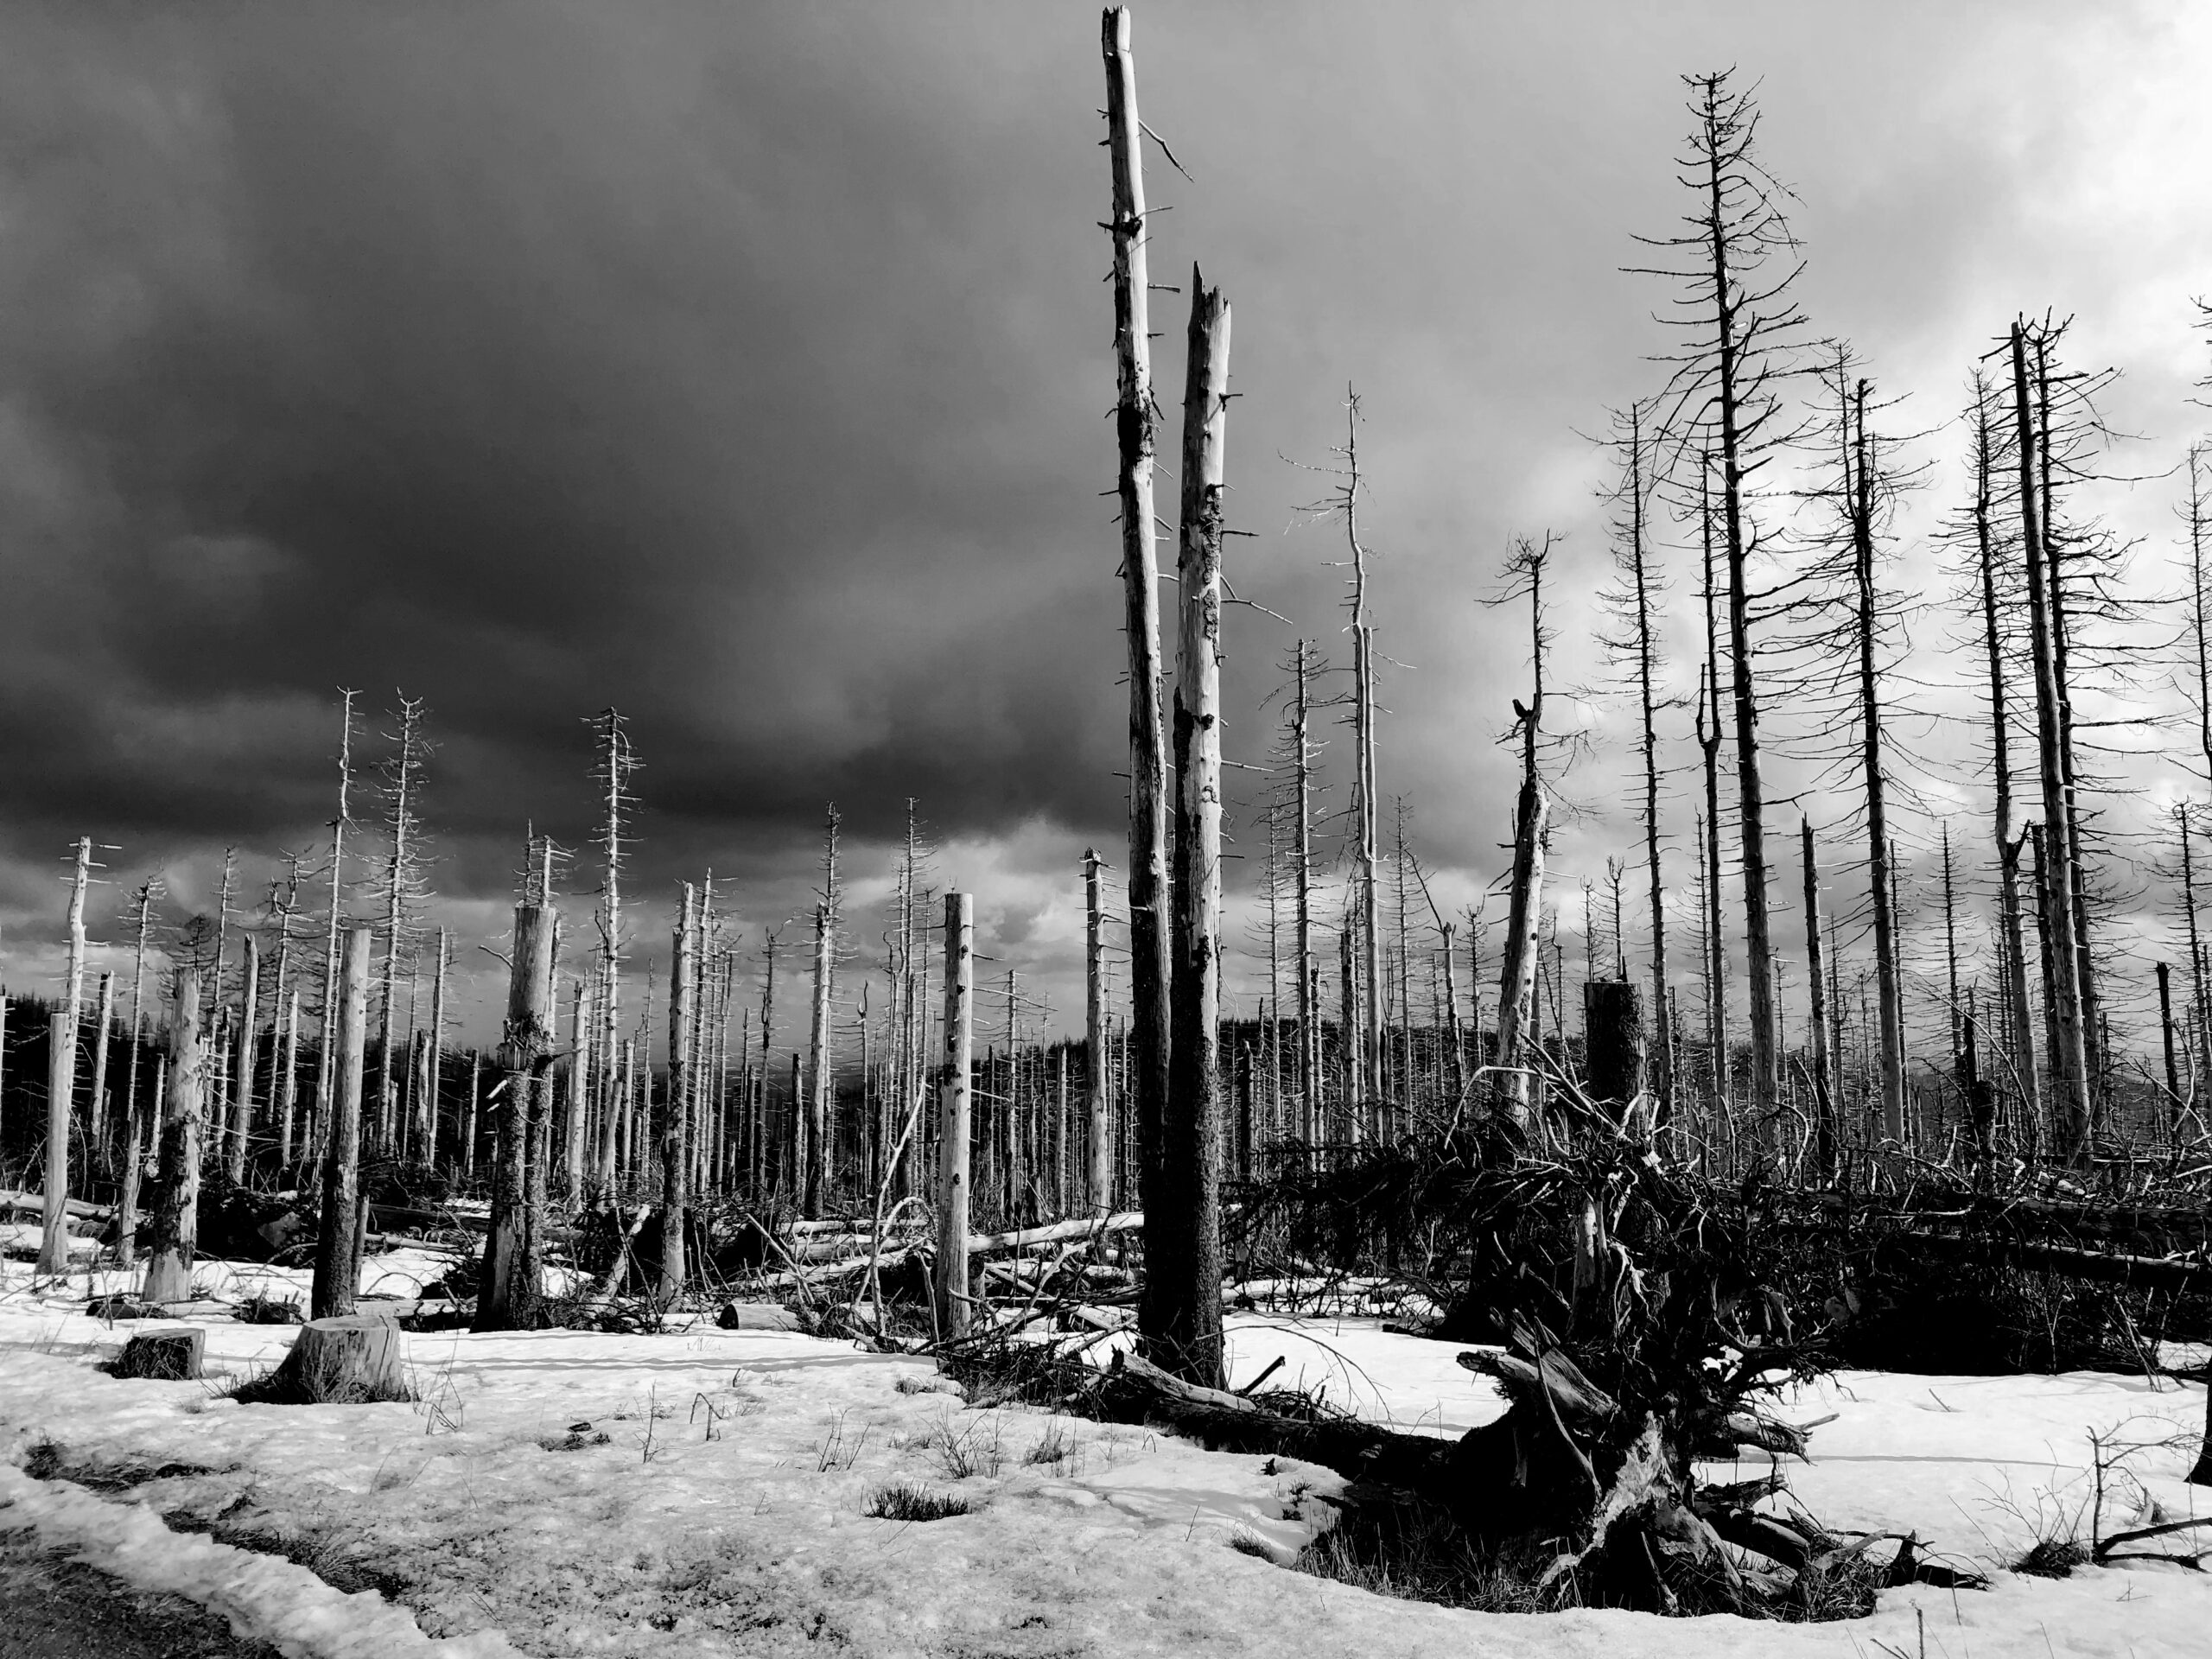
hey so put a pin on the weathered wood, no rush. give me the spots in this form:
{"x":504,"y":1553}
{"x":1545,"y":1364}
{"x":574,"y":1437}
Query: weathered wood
{"x":337,"y":1267}
{"x":952,"y":1187}
{"x":173,"y":1214}
{"x":674,"y":1125}
{"x":1613,"y":1038}
{"x":354,"y":1359}
{"x":171,"y":1356}
{"x":62,"y":1077}
{"x":1180,"y":1310}
{"x":508,"y":1292}
{"x":1147,"y":1040}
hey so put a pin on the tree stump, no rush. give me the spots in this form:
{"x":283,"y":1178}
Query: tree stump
{"x":1612,"y":1013}
{"x":171,"y":1356}
{"x":354,"y":1359}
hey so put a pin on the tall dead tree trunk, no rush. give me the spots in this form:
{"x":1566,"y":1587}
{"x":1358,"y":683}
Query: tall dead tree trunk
{"x":1180,"y":1313}
{"x":1148,"y":1034}
{"x":2019,"y":1017}
{"x":675,"y":1127}
{"x":819,"y":1068}
{"x":62,"y":1076}
{"x":96,"y":1113}
{"x":615,"y":762}
{"x":1098,"y":1144}
{"x":1824,"y":1104}
{"x":337,"y":1270}
{"x":1517,"y":985}
{"x":2070,"y":1062}
{"x":173,"y":1224}
{"x":953,"y":1111}
{"x":139,"y":1126}
{"x":326,"y":1046}
{"x":241,"y":1131}
{"x":1309,"y":964}
{"x":507,"y":1293}
{"x":1708,"y":743}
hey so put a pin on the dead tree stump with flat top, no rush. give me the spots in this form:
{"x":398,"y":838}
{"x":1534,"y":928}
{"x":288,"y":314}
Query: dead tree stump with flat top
{"x":172,"y":1355}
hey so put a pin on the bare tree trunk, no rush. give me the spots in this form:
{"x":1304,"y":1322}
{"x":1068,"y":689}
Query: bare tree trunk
{"x":1708,"y":741}
{"x":138,"y":1126}
{"x":288,"y":1086}
{"x":506,"y":1296}
{"x":1309,"y":966}
{"x":1149,"y":1031}
{"x":103,"y":1021}
{"x":1824,"y":1105}
{"x":2070,"y":1062}
{"x":2020,"y":1024}
{"x":249,"y":1044}
{"x":337,"y":1270}
{"x":327,"y":1048}
{"x":1517,"y":985}
{"x":1179,"y":1314}
{"x":952,"y":1184}
{"x":173,"y":1224}
{"x":815,"y":1134}
{"x":674,"y":1198}
{"x":1098,"y":1143}
{"x":62,"y":1076}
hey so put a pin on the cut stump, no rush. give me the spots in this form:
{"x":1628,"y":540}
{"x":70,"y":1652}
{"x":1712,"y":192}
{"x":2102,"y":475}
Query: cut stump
{"x":172,"y":1355}
{"x":352,"y":1359}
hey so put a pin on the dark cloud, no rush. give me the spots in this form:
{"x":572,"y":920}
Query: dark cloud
{"x":745,"y":368}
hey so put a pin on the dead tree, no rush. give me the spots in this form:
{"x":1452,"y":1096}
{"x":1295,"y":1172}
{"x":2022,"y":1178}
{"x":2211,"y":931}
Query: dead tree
{"x":953,"y":1193}
{"x":249,"y":1044}
{"x":674,"y":1126}
{"x":1742,"y":326}
{"x":337,"y":1262}
{"x":62,"y":1076}
{"x":1824,"y":1103}
{"x":1179,"y":1306}
{"x":1859,"y":622}
{"x":96,"y":1115}
{"x":508,"y":1288}
{"x":327,"y":1046}
{"x":814,"y":1173}
{"x":1633,"y":603}
{"x":616,"y":761}
{"x":2070,"y":1085}
{"x":1098,"y":1145}
{"x":1517,"y":986}
{"x":173,"y":1224}
{"x":138,"y":1127}
{"x":2019,"y":1024}
{"x":1149,"y":1030}
{"x":1309,"y":963}
{"x":401,"y":889}
{"x":1708,"y":743}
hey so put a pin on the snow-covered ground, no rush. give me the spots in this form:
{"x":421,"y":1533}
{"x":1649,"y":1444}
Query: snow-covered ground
{"x":724,"y":1509}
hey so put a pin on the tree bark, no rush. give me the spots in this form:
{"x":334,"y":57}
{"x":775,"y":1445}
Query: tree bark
{"x":2070,"y":1062}
{"x":506,"y":1300}
{"x":815,"y":1175}
{"x":336,"y":1267}
{"x":674,"y":1194}
{"x":62,"y":1077}
{"x":1824,"y":1104}
{"x":248,"y":1050}
{"x":1179,"y":1310}
{"x":1149,"y":1035}
{"x":173,"y":1224}
{"x":952,"y":1185}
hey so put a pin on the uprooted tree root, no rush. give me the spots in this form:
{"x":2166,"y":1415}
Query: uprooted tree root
{"x":1643,"y":1327}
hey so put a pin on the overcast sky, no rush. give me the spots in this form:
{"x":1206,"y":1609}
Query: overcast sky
{"x":747,"y":368}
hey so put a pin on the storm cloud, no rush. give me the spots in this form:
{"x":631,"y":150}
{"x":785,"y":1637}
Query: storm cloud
{"x":745,"y":368}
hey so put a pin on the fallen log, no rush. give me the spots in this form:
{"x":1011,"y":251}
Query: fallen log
{"x":1136,"y":1391}
{"x":1052,"y":1233}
